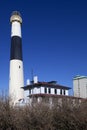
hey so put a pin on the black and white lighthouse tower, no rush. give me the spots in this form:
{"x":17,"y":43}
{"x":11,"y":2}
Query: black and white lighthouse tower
{"x":16,"y":79}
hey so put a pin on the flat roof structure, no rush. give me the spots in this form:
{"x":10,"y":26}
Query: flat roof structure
{"x":46,"y":84}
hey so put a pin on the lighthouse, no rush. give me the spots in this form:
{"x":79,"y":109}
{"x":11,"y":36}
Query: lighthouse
{"x":16,"y":77}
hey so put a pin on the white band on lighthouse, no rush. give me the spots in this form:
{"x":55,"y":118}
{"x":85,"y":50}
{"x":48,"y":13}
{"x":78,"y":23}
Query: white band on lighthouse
{"x":16,"y":29}
{"x":16,"y":80}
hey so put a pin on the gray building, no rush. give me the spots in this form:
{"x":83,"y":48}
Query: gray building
{"x":80,"y":86}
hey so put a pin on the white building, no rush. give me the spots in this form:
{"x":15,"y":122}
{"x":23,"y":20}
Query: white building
{"x":80,"y":86}
{"x":44,"y":89}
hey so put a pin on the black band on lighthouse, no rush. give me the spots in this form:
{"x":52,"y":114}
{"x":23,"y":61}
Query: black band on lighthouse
{"x":16,"y":48}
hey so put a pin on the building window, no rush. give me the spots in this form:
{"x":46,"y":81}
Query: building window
{"x":55,"y":91}
{"x":60,"y":91}
{"x":49,"y":90}
{"x":30,"y":91}
{"x":45,"y":90}
{"x":64,"y":92}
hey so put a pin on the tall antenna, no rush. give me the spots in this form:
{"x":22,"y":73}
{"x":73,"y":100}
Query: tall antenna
{"x":32,"y":80}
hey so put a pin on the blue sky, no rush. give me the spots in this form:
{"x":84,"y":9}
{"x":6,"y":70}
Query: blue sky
{"x":54,"y":39}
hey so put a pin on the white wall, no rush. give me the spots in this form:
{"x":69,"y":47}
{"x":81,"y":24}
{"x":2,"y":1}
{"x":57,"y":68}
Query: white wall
{"x":67,"y":92}
{"x":52,"y":90}
{"x":35,"y":90}
{"x":58,"y":91}
{"x":42,"y":89}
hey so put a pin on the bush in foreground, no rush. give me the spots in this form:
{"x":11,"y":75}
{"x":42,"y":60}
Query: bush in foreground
{"x":42,"y":117}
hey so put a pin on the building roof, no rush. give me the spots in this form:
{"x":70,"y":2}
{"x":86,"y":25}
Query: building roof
{"x":45,"y":84}
{"x":79,"y":77}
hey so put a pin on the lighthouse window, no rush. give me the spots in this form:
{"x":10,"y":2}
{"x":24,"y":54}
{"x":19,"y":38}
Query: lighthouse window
{"x":19,"y":66}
